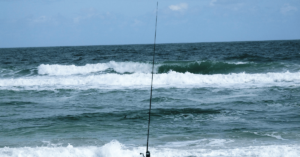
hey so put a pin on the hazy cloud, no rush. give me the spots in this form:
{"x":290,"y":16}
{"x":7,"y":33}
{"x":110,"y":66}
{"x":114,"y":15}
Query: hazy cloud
{"x":41,"y":19}
{"x":287,"y":8}
{"x":212,"y":2}
{"x":90,"y":13}
{"x":136,"y":22}
{"x":49,"y":20}
{"x":179,"y":7}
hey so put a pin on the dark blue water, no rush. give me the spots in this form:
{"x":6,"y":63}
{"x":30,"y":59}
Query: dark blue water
{"x":209,"y":99}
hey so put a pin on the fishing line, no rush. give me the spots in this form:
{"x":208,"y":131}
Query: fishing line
{"x":147,"y":151}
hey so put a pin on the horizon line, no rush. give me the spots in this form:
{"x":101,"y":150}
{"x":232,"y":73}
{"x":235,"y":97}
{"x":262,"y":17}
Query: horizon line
{"x":150,"y":43}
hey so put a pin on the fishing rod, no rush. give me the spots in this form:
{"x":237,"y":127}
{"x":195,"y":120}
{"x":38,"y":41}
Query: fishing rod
{"x":147,"y":150}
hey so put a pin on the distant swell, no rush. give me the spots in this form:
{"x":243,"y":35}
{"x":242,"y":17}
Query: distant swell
{"x":122,"y":115}
{"x":166,"y":80}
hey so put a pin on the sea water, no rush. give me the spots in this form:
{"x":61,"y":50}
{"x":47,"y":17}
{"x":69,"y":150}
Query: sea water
{"x":209,"y":99}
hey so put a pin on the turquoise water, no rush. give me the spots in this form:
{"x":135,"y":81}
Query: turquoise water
{"x":209,"y":99}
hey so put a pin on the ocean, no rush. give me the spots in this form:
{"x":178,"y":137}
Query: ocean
{"x":209,"y":100}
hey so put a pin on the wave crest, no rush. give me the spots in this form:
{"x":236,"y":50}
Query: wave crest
{"x":119,"y":67}
{"x":206,"y":67}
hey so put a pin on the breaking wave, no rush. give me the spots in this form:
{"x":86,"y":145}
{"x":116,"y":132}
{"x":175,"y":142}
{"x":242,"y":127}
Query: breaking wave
{"x":119,"y":67}
{"x":165,"y":80}
{"x":206,"y":67}
{"x":195,"y":67}
{"x":116,"y":149}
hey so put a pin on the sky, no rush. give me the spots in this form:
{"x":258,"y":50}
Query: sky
{"x":39,"y":23}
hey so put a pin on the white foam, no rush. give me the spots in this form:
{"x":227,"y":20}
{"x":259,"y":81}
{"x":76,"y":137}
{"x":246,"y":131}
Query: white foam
{"x":276,"y":136}
{"x":116,"y":149}
{"x":273,"y":134}
{"x":202,"y":143}
{"x":219,"y":142}
{"x":165,"y":80}
{"x":237,"y":63}
{"x":120,"y":67}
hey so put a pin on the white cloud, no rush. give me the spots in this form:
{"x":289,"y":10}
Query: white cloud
{"x":212,"y":2}
{"x":179,"y":7}
{"x":288,"y":8}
